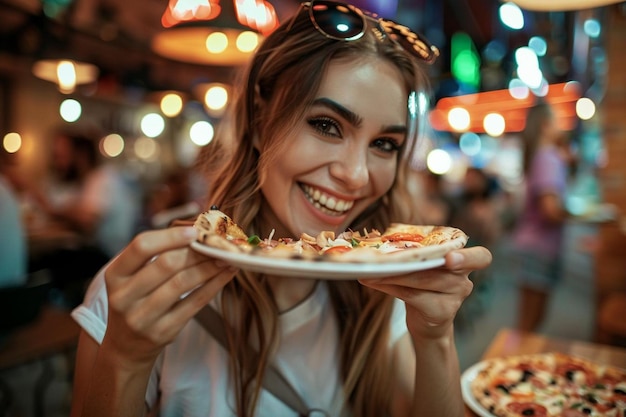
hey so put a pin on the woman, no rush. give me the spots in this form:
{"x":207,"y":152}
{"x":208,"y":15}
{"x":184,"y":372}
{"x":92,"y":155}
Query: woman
{"x":323,"y":114}
{"x":537,"y":239}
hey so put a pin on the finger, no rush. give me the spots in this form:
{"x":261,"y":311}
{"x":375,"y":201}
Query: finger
{"x":437,"y":281}
{"x":179,"y":286}
{"x":186,"y":308}
{"x":147,"y":245}
{"x":165,"y":266}
{"x":468,"y":259}
{"x":421,"y":279}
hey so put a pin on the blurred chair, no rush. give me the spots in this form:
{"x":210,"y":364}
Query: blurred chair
{"x":21,"y":304}
{"x":610,"y":321}
{"x":32,"y":329}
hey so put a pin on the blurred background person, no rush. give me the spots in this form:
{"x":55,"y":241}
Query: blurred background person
{"x":89,"y":196}
{"x":538,"y":237}
{"x":171,"y":199}
{"x":476,"y":210}
{"x":434,"y":207}
{"x":13,"y":251}
{"x":92,"y":199}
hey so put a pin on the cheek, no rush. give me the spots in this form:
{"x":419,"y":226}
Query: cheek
{"x":301,"y":155}
{"x":383,"y":176}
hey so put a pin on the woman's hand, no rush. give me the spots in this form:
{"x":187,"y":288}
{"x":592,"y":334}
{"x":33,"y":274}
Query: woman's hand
{"x":434,"y":296}
{"x":155,"y":286}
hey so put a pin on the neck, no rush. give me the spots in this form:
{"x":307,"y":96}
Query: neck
{"x":289,"y":292}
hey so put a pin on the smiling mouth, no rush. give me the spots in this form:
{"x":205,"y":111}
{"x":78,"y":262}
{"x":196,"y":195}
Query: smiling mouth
{"x":327,"y":204}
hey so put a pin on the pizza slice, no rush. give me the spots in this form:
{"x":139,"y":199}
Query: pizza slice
{"x":399,"y":243}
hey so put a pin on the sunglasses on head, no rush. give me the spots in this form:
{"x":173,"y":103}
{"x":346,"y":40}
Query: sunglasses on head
{"x":345,"y":22}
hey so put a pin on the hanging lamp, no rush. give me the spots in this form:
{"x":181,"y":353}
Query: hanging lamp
{"x":213,"y":32}
{"x":65,"y":73}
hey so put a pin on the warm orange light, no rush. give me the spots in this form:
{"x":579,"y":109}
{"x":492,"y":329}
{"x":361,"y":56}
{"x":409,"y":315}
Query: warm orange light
{"x":257,"y":14}
{"x":562,"y":97}
{"x":187,"y":11}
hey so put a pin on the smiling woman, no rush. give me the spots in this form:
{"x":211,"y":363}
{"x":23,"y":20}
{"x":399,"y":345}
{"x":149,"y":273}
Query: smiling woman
{"x":318,"y":140}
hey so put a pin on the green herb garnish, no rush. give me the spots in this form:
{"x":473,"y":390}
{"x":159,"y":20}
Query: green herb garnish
{"x":254,"y":240}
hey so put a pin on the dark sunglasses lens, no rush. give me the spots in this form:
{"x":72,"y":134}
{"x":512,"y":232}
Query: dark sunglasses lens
{"x":337,"y":20}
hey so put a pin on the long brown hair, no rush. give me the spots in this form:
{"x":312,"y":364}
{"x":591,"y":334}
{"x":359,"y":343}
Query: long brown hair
{"x":282,"y":78}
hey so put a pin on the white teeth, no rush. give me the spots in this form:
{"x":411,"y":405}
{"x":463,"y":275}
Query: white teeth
{"x":325,"y":203}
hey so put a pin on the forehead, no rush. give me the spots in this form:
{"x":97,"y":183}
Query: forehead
{"x":371,"y":87}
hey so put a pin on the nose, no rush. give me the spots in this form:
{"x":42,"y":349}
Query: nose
{"x":350,"y":167}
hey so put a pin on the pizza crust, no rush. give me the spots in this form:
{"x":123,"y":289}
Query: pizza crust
{"x":217,"y":229}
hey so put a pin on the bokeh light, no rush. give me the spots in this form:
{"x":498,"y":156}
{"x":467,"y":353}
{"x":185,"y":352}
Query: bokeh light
{"x":494,"y":124}
{"x":171,"y":104}
{"x":585,"y":108}
{"x":216,"y":97}
{"x":201,"y":133}
{"x":146,"y":148}
{"x":459,"y":118}
{"x":247,"y":41}
{"x":152,"y":125}
{"x":12,"y":142}
{"x":216,"y":42}
{"x":470,"y":143}
{"x":511,"y":15}
{"x":112,"y":145}
{"x":439,"y":161}
{"x":70,"y":110}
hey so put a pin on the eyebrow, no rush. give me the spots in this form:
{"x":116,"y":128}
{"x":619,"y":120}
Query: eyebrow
{"x":353,"y":118}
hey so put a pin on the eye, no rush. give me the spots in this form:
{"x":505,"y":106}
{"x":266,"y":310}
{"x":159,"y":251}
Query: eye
{"x":325,"y":126}
{"x":386,"y":145}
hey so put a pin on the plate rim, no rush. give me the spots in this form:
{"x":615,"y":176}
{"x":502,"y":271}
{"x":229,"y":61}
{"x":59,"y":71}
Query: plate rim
{"x":322,"y":269}
{"x":466,"y":379}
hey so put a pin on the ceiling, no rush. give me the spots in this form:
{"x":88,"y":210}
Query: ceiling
{"x":115,"y":35}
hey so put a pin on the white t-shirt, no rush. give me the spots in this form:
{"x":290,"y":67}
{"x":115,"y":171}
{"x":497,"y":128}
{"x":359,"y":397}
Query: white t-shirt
{"x":191,"y":374}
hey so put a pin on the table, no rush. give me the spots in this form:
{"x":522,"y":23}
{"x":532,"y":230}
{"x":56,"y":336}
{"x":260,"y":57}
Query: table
{"x":53,"y":332}
{"x":508,"y":342}
{"x":46,"y":237}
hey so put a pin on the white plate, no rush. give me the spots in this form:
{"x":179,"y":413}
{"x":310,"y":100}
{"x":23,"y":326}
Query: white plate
{"x":316,"y":269}
{"x":466,"y":379}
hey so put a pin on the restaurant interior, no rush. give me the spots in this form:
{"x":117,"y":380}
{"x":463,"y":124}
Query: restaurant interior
{"x":136,"y":76}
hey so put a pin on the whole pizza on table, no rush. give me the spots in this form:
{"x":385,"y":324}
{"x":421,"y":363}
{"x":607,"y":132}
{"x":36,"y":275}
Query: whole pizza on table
{"x":398,"y":243}
{"x":549,"y":384}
